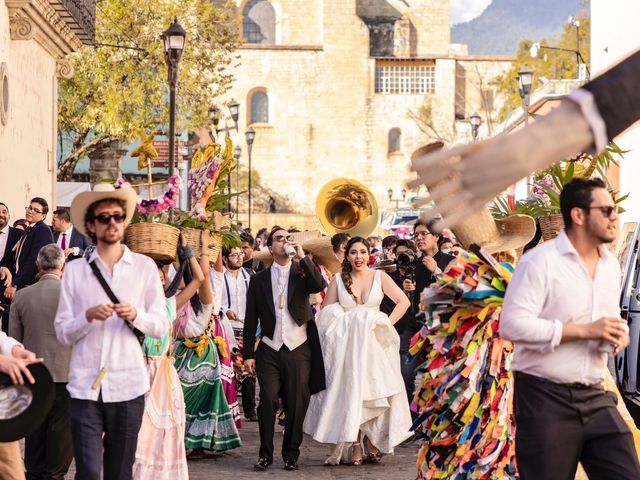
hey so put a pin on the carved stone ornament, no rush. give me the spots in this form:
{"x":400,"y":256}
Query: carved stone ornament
{"x":64,"y":69}
{"x":39,"y":20}
{"x":21,"y":27}
{"x":4,"y":94}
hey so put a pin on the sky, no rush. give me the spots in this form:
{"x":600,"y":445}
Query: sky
{"x":465,"y":10}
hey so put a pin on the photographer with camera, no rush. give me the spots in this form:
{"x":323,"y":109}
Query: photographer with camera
{"x":406,"y":256}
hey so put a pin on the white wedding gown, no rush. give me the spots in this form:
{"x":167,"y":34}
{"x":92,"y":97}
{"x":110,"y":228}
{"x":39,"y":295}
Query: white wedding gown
{"x":365,"y":391}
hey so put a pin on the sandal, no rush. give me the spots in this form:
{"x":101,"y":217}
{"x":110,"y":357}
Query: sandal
{"x":355,"y":460}
{"x":374,"y":457}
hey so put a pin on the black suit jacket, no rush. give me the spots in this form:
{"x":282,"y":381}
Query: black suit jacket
{"x":32,"y":241}
{"x":304,"y":279}
{"x":9,"y":258}
{"x":77,"y":240}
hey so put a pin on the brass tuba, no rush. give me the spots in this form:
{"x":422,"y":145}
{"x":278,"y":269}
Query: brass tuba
{"x":346,"y":205}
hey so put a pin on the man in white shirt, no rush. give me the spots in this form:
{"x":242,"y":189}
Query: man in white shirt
{"x":233,"y":305}
{"x":14,"y":360}
{"x":107,"y":374}
{"x":561,"y":311}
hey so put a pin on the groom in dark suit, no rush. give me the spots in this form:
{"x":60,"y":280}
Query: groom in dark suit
{"x":72,"y":242}
{"x":288,"y":361}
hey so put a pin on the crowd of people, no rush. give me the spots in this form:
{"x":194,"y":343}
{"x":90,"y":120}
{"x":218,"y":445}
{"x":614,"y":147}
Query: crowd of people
{"x":500,"y":373}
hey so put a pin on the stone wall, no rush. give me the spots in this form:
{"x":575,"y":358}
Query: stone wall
{"x":325,"y":119}
{"x":27,"y":141}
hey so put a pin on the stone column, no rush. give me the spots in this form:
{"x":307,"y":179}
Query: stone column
{"x":105,"y":164}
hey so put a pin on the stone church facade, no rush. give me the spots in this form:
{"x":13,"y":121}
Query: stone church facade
{"x":350,"y":88}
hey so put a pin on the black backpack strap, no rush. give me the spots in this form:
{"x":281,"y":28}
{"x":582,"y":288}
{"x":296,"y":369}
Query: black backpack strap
{"x":112,"y":296}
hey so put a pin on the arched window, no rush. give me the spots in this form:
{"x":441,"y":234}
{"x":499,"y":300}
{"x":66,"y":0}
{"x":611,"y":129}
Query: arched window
{"x":259,"y":107}
{"x":394,"y":140}
{"x":259,"y":22}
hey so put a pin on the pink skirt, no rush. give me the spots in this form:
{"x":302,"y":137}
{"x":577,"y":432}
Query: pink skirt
{"x":160,"y":454}
{"x":227,"y":374}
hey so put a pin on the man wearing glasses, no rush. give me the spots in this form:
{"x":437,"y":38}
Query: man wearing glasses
{"x":288,"y":361}
{"x":561,"y":311}
{"x":36,"y":236}
{"x":235,"y":285}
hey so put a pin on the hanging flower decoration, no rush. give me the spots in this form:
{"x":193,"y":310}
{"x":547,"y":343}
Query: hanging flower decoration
{"x":161,"y":204}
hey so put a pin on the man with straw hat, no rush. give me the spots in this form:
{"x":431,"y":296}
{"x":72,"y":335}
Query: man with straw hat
{"x":106,"y":304}
{"x":561,"y":311}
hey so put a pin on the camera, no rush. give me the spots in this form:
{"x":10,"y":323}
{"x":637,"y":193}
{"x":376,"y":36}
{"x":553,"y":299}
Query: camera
{"x":407,"y":261}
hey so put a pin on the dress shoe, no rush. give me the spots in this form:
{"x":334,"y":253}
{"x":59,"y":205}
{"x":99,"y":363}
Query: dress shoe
{"x":262,"y":464}
{"x":251,"y":416}
{"x":290,"y":464}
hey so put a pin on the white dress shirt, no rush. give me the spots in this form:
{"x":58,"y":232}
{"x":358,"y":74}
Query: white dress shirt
{"x":287,"y":331}
{"x":551,"y":287}
{"x":234,"y":295}
{"x":109,"y":344}
{"x":67,"y":233}
{"x":4,"y":236}
{"x":7,"y":343}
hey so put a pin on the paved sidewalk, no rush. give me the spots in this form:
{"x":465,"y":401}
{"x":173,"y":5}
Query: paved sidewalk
{"x":238,"y":463}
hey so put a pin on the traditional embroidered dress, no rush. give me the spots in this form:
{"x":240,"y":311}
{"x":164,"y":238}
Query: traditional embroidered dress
{"x":465,"y":396}
{"x":160,"y":454}
{"x":223,"y":337}
{"x":209,"y":422}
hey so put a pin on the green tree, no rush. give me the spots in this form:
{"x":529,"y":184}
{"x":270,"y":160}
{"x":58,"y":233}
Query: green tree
{"x":550,"y":64}
{"x":119,"y":88}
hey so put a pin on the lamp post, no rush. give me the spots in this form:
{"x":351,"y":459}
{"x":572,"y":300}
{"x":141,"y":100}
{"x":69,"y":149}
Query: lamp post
{"x":237,"y":151}
{"x":214,"y":112}
{"x":475,"y":120}
{"x":397,"y":200}
{"x":250,"y":136}
{"x":173,"y":39}
{"x":525,"y":80}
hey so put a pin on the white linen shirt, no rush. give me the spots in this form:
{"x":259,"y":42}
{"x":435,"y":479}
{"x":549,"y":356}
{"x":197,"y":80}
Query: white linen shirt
{"x":7,"y":343}
{"x":235,"y":288}
{"x":287,"y":331}
{"x":109,"y":343}
{"x":551,"y":287}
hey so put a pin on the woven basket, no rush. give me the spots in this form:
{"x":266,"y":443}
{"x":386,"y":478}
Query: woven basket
{"x":192,"y":236}
{"x":551,"y":225}
{"x":156,"y":240}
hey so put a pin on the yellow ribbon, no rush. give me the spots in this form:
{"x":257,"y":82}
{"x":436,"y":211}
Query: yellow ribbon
{"x":200,"y":345}
{"x":222,"y":346}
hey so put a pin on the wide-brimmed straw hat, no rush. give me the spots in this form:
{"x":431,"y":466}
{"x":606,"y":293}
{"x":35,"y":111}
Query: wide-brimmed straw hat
{"x":495,"y":235}
{"x":102,"y":191}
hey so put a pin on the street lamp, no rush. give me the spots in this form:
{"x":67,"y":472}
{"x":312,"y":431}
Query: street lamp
{"x":403,"y":192}
{"x":475,"y":120}
{"x":173,"y":39}
{"x":525,"y":80}
{"x":237,"y":151}
{"x":250,"y":136}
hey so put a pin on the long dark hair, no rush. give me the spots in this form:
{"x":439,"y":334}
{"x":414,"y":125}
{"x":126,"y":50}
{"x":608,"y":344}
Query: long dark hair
{"x":346,"y":265}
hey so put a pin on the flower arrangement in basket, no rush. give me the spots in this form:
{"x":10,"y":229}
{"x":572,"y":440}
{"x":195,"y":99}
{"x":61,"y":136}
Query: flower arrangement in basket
{"x":210,"y":166}
{"x":544,"y":204}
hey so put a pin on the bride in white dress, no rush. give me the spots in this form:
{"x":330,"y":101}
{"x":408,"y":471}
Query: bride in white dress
{"x":365,"y":403}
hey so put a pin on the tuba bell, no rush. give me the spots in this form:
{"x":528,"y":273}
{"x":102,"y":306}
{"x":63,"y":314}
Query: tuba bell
{"x":346,"y":205}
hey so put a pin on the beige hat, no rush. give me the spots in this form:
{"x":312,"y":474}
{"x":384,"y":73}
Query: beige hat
{"x":102,"y":191}
{"x":495,"y":235}
{"x":323,"y":253}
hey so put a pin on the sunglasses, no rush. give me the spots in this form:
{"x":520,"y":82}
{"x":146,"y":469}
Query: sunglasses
{"x":105,"y":218}
{"x":282,"y":238}
{"x":607,"y":211}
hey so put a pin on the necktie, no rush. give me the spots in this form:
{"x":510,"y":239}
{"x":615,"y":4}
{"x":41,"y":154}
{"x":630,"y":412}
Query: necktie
{"x":63,"y":245}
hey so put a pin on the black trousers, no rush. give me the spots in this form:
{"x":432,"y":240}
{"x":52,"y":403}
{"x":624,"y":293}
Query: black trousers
{"x":48,"y":451}
{"x":408,"y":370}
{"x":558,"y":426}
{"x":248,"y":391}
{"x":120,"y":422}
{"x":283,"y":373}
